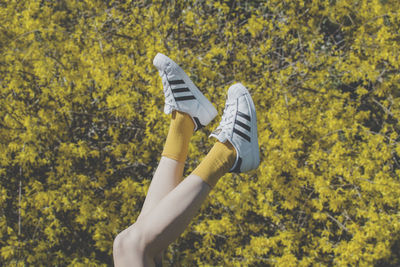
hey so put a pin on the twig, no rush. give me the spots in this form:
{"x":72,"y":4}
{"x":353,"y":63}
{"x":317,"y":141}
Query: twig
{"x":19,"y":212}
{"x":383,"y":107}
{"x":19,"y":208}
{"x":337,"y":222}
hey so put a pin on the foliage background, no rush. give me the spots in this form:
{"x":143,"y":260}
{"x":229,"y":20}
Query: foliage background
{"x":82,"y":128}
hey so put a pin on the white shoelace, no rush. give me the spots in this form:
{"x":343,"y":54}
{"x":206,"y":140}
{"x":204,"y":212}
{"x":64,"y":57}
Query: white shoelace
{"x":169,"y":98}
{"x":227,"y":122}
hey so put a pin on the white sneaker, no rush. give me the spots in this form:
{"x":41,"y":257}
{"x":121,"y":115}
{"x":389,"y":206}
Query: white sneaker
{"x":181,"y":94}
{"x":239,"y":126}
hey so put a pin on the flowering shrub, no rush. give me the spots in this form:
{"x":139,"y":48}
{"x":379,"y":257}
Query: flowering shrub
{"x":82,"y":128}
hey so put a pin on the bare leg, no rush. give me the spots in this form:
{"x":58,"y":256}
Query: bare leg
{"x":173,"y":214}
{"x":167,"y":176}
{"x":160,"y":226}
{"x":170,"y":168}
{"x":165,"y":223}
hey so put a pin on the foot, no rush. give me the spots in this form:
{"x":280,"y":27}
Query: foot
{"x":181,"y":94}
{"x":239,"y":126}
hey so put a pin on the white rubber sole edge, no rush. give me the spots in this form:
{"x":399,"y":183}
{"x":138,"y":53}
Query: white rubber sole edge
{"x":254,"y":136}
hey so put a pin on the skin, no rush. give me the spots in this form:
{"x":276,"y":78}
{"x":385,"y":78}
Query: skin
{"x":160,"y":223}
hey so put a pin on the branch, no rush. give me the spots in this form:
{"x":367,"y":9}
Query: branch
{"x":341,"y":226}
{"x":387,"y":111}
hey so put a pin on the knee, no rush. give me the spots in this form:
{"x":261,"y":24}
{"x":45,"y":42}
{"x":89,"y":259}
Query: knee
{"x":118,"y":244}
{"x":129,"y":241}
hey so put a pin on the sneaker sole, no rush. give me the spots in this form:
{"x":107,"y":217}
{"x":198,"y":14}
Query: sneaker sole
{"x":254,"y":136}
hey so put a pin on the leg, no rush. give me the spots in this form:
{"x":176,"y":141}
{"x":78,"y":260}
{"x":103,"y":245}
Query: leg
{"x":129,"y":254}
{"x":240,"y":153}
{"x":167,"y":176}
{"x":170,"y":168}
{"x":190,"y":110}
{"x":155,"y":231}
{"x":170,"y":218}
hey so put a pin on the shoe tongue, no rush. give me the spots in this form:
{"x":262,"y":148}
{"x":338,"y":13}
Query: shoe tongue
{"x":219,"y":134}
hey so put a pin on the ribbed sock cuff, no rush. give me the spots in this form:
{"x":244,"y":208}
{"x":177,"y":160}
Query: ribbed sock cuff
{"x":218,"y":161}
{"x":180,"y":131}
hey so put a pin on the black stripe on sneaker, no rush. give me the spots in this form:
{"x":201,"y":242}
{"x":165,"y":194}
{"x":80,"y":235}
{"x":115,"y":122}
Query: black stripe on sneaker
{"x":176,"y":82}
{"x":180,"y":90}
{"x":241,"y":114}
{"x":183,"y":98}
{"x":198,"y":123}
{"x":247,"y":127}
{"x":245,"y":136}
{"x":238,"y":165}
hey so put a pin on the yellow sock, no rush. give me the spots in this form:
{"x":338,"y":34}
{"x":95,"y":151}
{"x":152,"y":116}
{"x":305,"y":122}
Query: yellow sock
{"x":180,"y":131}
{"x":218,"y":161}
